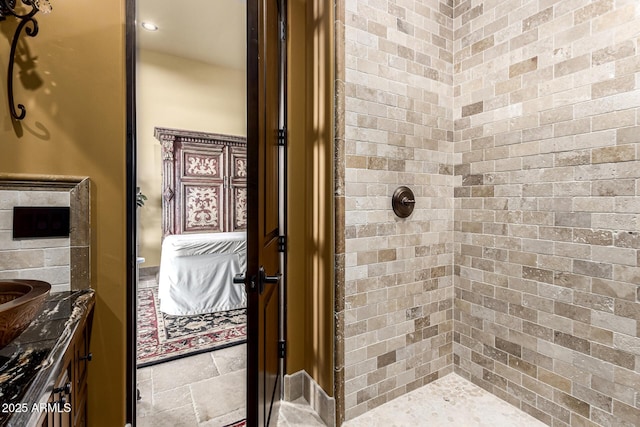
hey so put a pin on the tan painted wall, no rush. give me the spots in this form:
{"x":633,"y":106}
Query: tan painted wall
{"x":179,"y":93}
{"x":75,"y":125}
{"x":297,"y":224}
{"x":310,"y":192}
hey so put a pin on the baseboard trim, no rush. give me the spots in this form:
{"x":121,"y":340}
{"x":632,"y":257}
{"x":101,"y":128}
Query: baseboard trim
{"x":300,"y":385}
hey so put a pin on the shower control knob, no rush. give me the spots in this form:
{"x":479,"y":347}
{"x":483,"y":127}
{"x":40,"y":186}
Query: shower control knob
{"x":403,"y":201}
{"x":407,"y":201}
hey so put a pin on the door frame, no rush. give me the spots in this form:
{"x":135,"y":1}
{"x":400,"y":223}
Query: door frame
{"x":131,"y":219}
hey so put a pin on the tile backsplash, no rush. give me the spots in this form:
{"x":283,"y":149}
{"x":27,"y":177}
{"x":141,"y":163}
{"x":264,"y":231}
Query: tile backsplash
{"x":45,"y":259}
{"x":63,"y":262}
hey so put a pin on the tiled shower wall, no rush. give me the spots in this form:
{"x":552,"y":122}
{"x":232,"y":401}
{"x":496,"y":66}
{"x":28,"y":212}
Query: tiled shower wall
{"x":398,"y":317}
{"x":547,"y":206}
{"x":542,"y":100}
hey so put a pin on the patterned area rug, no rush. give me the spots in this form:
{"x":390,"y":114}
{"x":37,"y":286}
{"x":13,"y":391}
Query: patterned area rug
{"x":240,"y":423}
{"x":162,"y":337}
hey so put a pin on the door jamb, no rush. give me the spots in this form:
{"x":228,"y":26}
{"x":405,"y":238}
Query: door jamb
{"x":131,"y":178}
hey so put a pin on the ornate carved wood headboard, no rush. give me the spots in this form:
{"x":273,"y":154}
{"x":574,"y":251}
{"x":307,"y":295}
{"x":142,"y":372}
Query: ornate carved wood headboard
{"x":204,"y":182}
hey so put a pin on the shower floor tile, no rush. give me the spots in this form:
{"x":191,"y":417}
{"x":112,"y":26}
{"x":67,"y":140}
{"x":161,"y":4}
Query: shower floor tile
{"x":448,"y":401}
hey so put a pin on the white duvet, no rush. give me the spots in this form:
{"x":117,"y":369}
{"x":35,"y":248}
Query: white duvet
{"x":197,"y":270}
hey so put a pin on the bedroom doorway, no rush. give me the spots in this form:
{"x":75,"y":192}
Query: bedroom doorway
{"x":190,"y":114}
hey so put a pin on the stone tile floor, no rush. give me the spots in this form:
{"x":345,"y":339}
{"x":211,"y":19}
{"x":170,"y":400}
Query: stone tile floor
{"x":448,"y":401}
{"x":205,"y":390}
{"x":202,"y":390}
{"x":208,"y":390}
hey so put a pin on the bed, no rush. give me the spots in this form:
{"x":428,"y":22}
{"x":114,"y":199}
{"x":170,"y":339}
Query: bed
{"x":204,"y":221}
{"x":197,"y":270}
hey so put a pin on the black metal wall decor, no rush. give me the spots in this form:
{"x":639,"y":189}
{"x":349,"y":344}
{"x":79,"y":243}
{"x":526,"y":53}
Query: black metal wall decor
{"x":26,"y":17}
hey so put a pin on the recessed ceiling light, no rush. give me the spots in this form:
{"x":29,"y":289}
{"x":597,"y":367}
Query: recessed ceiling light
{"x":149,"y":26}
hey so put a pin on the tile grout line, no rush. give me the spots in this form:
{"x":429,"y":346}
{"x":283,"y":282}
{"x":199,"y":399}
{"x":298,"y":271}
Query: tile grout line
{"x":193,"y":404}
{"x":215,"y":364}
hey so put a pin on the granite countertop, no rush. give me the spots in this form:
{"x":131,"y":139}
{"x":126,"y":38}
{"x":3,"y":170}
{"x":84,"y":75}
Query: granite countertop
{"x":30,"y":364}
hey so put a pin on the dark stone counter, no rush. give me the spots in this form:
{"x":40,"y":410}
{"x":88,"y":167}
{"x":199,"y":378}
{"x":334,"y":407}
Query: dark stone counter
{"x":30,"y":364}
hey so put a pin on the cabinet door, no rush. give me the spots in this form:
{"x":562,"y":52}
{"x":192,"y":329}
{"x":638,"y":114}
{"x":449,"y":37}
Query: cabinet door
{"x":237,"y":207}
{"x":82,"y":357}
{"x":46,"y":419}
{"x":201,"y":190}
{"x":81,"y":413}
{"x":62,"y":395}
{"x":81,"y":351}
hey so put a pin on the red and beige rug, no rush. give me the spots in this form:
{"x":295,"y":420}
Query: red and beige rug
{"x":162,"y":337}
{"x":240,"y":423}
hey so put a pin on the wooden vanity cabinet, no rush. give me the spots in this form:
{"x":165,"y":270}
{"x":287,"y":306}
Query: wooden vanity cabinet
{"x":82,"y":357}
{"x":56,"y":414}
{"x":67,"y":404}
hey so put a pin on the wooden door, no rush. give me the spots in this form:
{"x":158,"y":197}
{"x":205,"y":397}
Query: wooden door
{"x":263,"y":279}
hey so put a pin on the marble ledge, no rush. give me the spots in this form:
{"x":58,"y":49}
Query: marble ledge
{"x":31,"y":363}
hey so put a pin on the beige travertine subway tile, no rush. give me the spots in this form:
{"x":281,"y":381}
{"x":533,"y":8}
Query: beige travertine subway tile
{"x":24,"y":259}
{"x":523,"y":40}
{"x":572,"y":158}
{"x":472,"y":109}
{"x":9,"y":199}
{"x":626,"y":413}
{"x":537,"y":19}
{"x":58,"y":275}
{"x":56,"y":257}
{"x":615,"y":120}
{"x":627,"y":239}
{"x":6,"y":220}
{"x":564,"y":189}
{"x":597,"y":400}
{"x":624,"y":13}
{"x":572,"y":65}
{"x":557,"y":115}
{"x":628,"y":135}
{"x":617,"y":188}
{"x":572,"y":127}
{"x":595,"y":139}
{"x":614,"y":86}
{"x":523,"y":67}
{"x":606,"y":105}
{"x":593,"y":269}
{"x":626,"y":274}
{"x":7,"y":243}
{"x":592,"y":10}
{"x":614,"y":323}
{"x":627,"y":66}
{"x":613,"y":53}
{"x":573,"y":34}
{"x":614,"y":289}
{"x":620,"y":153}
{"x":617,"y":357}
{"x":592,"y":237}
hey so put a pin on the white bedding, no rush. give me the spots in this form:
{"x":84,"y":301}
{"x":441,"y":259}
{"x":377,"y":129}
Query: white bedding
{"x":196,"y":272}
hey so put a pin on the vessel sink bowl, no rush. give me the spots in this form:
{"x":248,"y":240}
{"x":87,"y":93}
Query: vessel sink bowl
{"x":20,"y":302}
